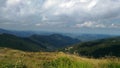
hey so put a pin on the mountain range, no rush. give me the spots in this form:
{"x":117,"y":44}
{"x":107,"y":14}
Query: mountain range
{"x":24,"y":33}
{"x":88,"y":37}
{"x":36,"y":42}
{"x":92,"y":45}
{"x":80,"y":36}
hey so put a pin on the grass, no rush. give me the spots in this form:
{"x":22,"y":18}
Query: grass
{"x":10,"y":58}
{"x":65,"y":62}
{"x":12,"y":65}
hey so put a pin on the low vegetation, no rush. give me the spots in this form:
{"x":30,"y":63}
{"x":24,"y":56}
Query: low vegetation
{"x":10,"y":58}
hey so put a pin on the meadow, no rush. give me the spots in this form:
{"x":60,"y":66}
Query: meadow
{"x":10,"y":58}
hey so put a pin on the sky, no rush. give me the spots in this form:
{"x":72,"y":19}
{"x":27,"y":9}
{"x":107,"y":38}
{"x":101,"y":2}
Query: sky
{"x":78,"y":16}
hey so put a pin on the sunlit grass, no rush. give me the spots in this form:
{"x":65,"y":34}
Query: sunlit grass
{"x":18,"y":59}
{"x":66,"y":62}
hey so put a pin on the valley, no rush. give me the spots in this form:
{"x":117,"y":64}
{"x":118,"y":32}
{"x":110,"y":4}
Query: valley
{"x":58,"y":51}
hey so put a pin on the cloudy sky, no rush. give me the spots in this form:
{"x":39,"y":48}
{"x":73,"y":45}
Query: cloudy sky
{"x":82,"y":16}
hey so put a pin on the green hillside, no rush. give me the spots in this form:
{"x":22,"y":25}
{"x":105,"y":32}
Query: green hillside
{"x":53,"y":41}
{"x":98,"y":48}
{"x":36,"y":42}
{"x":10,"y":58}
{"x":11,"y":41}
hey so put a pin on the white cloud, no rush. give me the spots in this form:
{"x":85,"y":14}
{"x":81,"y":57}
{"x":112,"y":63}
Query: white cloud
{"x":69,"y":4}
{"x":12,"y":2}
{"x":49,"y":3}
{"x":92,"y":4}
{"x":84,"y":1}
{"x":114,"y":26}
{"x":38,"y":24}
{"x":90,"y":9}
{"x":83,"y":13}
{"x":90,"y":24}
{"x":18,"y":8}
{"x":44,"y":18}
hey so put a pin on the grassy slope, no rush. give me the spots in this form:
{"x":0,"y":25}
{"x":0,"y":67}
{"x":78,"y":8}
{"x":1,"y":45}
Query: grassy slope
{"x":10,"y":58}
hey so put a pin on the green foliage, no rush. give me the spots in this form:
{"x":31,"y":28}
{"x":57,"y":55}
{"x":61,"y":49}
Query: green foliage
{"x":11,"y":41}
{"x":12,"y":65}
{"x":98,"y":48}
{"x":65,"y":62}
{"x":36,"y":42}
{"x":111,"y":65}
{"x":54,"y":41}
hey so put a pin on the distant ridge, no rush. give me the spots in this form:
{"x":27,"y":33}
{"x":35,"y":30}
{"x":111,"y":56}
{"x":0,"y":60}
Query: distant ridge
{"x":36,"y":42}
{"x":11,"y":41}
{"x":24,"y":33}
{"x":54,"y":41}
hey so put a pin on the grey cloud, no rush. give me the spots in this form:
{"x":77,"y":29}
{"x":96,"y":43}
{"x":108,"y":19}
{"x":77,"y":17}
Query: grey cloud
{"x":63,"y":13}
